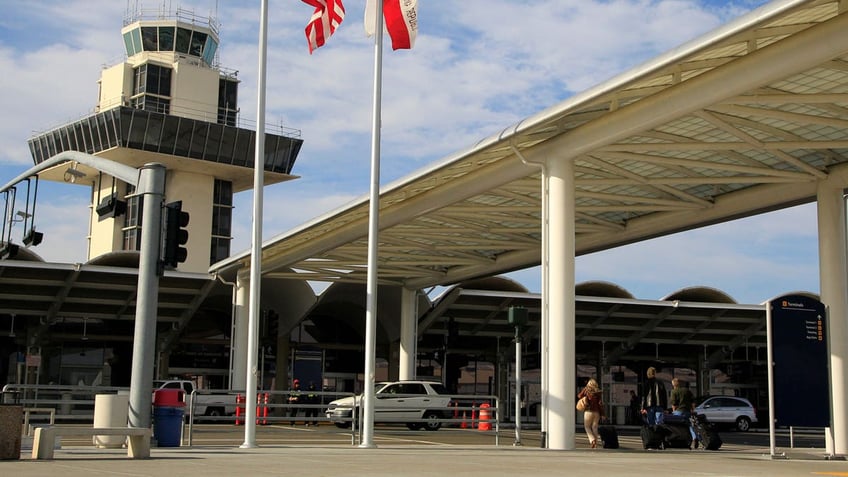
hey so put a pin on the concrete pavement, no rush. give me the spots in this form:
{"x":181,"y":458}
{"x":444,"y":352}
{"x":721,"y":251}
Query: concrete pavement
{"x":424,"y":459}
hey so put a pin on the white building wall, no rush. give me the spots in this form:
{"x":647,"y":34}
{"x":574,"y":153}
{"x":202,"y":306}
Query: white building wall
{"x":106,"y":233}
{"x":115,"y":86}
{"x":194,"y":92}
{"x":196,"y":192}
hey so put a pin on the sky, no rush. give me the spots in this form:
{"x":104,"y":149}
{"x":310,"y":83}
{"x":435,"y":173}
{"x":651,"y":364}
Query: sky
{"x":477,"y":67}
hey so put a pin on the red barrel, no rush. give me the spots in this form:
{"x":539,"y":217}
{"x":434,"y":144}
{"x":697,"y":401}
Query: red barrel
{"x":169,"y":398}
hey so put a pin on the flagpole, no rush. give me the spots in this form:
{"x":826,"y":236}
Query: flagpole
{"x":256,"y":245}
{"x":368,"y":395}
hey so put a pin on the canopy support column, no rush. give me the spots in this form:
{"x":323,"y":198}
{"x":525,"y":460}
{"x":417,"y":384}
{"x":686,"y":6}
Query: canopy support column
{"x":408,"y":333}
{"x":559,"y":364}
{"x":833,"y":272}
{"x":241,"y":318}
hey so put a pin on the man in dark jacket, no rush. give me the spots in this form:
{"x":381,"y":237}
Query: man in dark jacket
{"x":312,"y":399}
{"x":294,"y":398}
{"x":654,"y":398}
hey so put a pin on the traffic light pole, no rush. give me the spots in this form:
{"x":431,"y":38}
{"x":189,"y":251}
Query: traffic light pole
{"x":151,"y":187}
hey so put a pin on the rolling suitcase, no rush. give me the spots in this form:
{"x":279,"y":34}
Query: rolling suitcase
{"x":677,"y":433}
{"x":609,"y":436}
{"x":653,"y":437}
{"x":708,"y":437}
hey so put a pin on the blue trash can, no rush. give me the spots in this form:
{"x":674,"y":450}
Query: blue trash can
{"x":167,"y":426}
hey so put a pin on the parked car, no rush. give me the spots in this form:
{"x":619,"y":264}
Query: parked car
{"x":728,"y":410}
{"x":418,"y":404}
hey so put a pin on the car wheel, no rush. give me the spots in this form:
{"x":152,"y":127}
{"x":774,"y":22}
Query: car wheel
{"x":414,"y":426}
{"x":214,"y":412}
{"x":743,"y":423}
{"x":433,"y":421}
{"x":342,"y":425}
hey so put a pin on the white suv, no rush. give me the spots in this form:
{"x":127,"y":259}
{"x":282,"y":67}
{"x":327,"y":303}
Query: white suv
{"x":416,"y":403}
{"x":728,"y":410}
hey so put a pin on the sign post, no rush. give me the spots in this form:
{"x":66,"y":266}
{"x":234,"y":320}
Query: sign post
{"x":517,"y":317}
{"x":798,"y":371}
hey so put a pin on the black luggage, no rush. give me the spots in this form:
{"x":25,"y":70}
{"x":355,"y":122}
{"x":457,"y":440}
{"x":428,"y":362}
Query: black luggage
{"x":677,"y":435}
{"x":609,"y":436}
{"x":675,"y":419}
{"x":653,"y":437}
{"x":708,"y":437}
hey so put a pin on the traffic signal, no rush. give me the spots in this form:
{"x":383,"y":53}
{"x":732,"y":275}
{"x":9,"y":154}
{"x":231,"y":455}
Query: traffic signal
{"x":173,"y":252}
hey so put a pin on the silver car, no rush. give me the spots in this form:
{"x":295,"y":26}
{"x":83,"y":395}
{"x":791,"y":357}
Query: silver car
{"x":732,"y":410}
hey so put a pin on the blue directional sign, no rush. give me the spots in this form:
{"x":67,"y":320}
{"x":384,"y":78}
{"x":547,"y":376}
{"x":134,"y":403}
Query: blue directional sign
{"x":801,"y":362}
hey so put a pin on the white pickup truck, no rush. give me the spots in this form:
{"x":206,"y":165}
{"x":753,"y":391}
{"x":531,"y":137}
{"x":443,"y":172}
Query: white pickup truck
{"x":206,"y":404}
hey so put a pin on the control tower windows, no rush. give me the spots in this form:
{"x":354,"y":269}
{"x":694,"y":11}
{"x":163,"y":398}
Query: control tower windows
{"x":150,"y":38}
{"x":183,"y":40}
{"x":166,"y":38}
{"x":132,"y":41}
{"x":171,"y":38}
{"x":198,"y":41}
{"x":227,"y":101}
{"x":151,"y":88}
{"x":222,"y":218}
{"x":131,"y":230}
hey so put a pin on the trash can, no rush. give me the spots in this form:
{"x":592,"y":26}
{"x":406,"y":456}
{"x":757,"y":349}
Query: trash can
{"x":11,"y":418}
{"x":620,"y":415}
{"x":110,"y":410}
{"x":168,"y":410}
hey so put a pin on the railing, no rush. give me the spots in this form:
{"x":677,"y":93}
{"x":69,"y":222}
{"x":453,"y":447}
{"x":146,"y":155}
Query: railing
{"x":63,"y":403}
{"x":49,"y":416}
{"x":70,"y":403}
{"x":272,"y":407}
{"x":179,"y":14}
{"x":199,"y":113}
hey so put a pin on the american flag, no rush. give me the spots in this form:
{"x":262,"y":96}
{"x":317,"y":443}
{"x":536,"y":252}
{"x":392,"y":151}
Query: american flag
{"x":327,"y":17}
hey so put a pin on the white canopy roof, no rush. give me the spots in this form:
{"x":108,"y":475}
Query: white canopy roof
{"x":743,"y":120}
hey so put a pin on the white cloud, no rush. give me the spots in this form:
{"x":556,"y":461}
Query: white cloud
{"x":474,"y":71}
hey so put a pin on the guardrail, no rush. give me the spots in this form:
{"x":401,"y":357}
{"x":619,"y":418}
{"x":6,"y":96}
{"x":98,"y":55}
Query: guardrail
{"x":64,"y":403}
{"x":272,"y":407}
{"x":70,"y":403}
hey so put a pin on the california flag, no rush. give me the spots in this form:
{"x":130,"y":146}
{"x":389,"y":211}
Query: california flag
{"x":401,"y":21}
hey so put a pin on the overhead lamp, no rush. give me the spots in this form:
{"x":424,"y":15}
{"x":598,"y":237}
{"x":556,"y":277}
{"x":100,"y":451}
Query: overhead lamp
{"x":8,"y":250}
{"x":33,"y":238}
{"x":110,"y":206}
{"x":23,"y":215}
{"x":72,"y":174}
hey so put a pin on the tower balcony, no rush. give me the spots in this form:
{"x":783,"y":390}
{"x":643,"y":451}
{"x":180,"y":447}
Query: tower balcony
{"x":136,"y":136}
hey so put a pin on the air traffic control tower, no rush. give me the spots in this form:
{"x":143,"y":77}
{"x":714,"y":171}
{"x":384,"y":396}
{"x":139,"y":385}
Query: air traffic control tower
{"x":169,"y":102}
